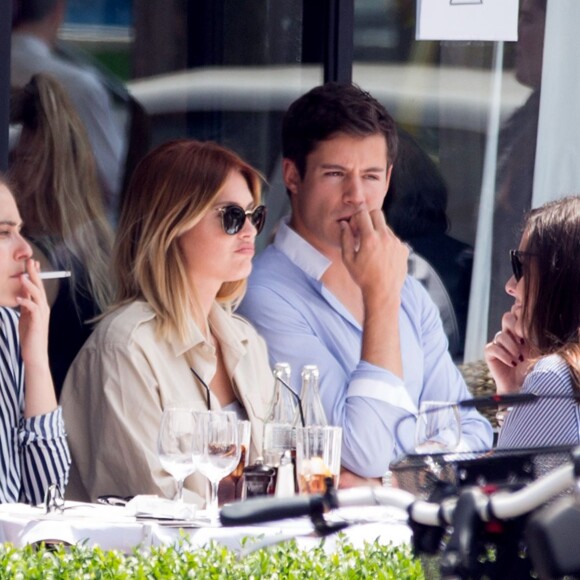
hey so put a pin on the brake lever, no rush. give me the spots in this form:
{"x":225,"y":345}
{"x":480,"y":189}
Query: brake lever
{"x":459,"y":556}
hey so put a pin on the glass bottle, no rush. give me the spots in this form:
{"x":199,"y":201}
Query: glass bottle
{"x":278,"y":427}
{"x":310,"y":398}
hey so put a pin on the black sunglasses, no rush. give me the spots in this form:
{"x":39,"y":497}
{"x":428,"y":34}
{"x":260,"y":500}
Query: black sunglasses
{"x":234,"y":218}
{"x":517,"y":264}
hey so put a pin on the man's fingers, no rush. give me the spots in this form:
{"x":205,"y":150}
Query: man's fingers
{"x":378,"y":220}
{"x":368,"y":221}
{"x":347,"y":242}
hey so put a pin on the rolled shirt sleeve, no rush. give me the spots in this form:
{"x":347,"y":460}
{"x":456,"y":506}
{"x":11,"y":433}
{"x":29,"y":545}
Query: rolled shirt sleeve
{"x":45,"y":457}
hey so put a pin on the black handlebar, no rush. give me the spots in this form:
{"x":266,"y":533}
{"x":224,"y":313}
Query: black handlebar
{"x":474,"y":515}
{"x":492,"y":401}
{"x":260,"y":510}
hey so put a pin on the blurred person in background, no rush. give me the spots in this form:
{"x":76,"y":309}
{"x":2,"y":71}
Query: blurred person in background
{"x":35,"y":25}
{"x":53,"y":171}
{"x":184,"y":250}
{"x":33,"y":448}
{"x":416,"y":210}
{"x":537,"y":349}
{"x":517,"y":154}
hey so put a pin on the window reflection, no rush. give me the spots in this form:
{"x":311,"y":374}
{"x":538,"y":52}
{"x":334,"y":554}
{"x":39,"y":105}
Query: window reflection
{"x":439,"y":93}
{"x":516,"y":156}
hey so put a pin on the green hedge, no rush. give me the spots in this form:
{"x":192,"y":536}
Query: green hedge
{"x":214,"y":562}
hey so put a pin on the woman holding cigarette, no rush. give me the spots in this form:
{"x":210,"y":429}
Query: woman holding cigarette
{"x":184,"y":250}
{"x":55,"y":182}
{"x":33,"y":448}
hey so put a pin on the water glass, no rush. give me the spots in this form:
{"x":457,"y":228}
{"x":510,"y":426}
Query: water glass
{"x":317,"y":457}
{"x":231,"y":487}
{"x":438,"y":427}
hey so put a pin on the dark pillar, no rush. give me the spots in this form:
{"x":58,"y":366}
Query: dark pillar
{"x":328,"y":36}
{"x":5,"y":26}
{"x":340,"y":41}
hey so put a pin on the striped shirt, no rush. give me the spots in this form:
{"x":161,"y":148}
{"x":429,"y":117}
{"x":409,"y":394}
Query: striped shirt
{"x":551,"y":420}
{"x":33,"y":452}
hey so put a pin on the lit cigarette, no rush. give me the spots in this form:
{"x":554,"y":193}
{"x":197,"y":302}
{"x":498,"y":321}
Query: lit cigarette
{"x":55,"y":274}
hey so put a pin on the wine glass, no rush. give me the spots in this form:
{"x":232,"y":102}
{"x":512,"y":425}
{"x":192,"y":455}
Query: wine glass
{"x":438,"y":427}
{"x":221,"y":451}
{"x":244,"y":435}
{"x":175,"y":445}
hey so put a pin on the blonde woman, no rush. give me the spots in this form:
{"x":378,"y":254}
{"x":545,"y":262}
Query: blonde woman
{"x":53,"y":171}
{"x":184,"y":250}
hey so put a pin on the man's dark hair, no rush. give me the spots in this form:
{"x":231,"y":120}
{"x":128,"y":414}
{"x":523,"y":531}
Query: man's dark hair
{"x":329,"y":109}
{"x":24,"y":11}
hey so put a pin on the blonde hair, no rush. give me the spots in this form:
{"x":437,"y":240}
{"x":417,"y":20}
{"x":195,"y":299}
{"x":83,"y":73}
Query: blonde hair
{"x":52,"y":169}
{"x":170,"y":191}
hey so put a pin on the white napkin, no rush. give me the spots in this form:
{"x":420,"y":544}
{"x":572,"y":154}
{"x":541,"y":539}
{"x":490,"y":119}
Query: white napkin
{"x":159,"y":507}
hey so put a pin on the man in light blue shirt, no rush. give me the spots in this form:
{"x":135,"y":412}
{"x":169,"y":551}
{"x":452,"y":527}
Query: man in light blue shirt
{"x":333,"y":290}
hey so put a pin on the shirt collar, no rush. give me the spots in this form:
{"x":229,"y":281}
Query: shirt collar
{"x":300,"y":252}
{"x":231,"y":335}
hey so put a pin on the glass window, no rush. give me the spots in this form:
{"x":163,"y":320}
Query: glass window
{"x":205,"y":70}
{"x":469,"y":119}
{"x":224,"y":74}
{"x":472,"y":116}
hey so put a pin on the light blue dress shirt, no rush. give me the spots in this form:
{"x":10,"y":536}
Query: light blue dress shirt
{"x":303,"y":323}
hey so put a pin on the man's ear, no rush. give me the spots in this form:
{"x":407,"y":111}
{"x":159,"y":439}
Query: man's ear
{"x":291,"y":175}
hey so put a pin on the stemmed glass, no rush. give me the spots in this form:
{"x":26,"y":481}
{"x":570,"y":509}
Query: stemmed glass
{"x":438,"y":427}
{"x":175,"y":445}
{"x":221,"y":451}
{"x":244,"y":435}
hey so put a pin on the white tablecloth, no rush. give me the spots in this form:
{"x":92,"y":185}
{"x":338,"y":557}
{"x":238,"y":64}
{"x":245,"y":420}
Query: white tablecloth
{"x":113,"y":528}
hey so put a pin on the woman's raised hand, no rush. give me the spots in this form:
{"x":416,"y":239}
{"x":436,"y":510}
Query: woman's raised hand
{"x":507,"y":356}
{"x":34,"y":317}
{"x":39,"y":397}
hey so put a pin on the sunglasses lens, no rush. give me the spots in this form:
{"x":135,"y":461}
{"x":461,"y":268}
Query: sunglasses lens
{"x":258,"y":218}
{"x":233,"y":219}
{"x":516,"y":266}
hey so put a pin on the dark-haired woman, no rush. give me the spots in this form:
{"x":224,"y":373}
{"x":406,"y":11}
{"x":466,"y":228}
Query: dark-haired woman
{"x":538,"y":348}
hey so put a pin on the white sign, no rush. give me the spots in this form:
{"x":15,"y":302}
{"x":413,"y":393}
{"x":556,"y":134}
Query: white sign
{"x":467,"y":20}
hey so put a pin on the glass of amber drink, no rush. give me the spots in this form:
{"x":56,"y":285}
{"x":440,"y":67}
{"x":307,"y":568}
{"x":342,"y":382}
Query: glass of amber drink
{"x":317,"y":457}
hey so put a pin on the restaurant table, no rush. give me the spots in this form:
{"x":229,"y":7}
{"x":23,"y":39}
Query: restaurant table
{"x":112,"y":527}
